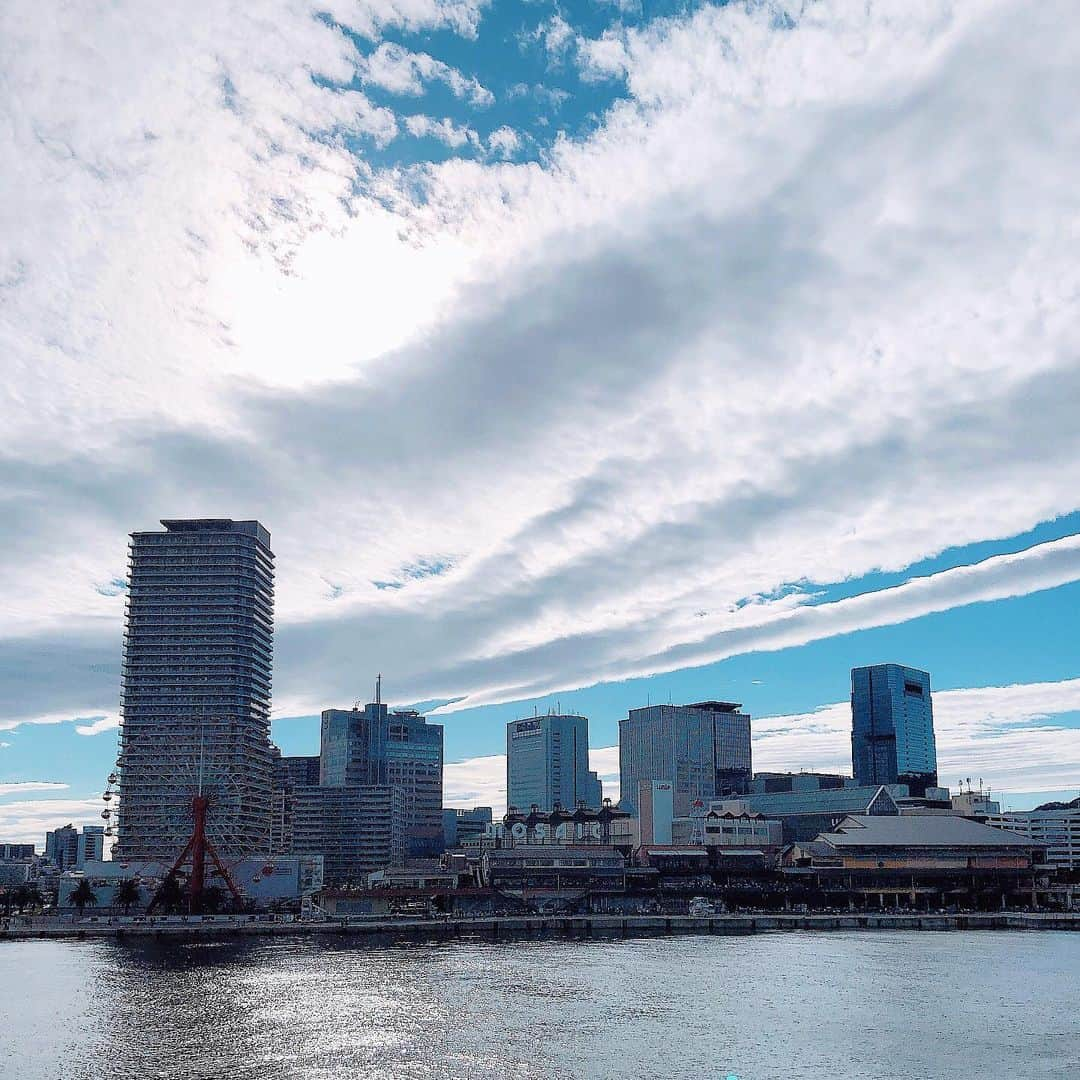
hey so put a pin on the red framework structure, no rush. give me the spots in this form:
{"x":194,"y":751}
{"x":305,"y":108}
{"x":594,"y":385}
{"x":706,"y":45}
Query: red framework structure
{"x":197,"y":848}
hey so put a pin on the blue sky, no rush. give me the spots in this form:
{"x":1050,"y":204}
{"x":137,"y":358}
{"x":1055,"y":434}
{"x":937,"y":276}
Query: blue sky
{"x":582,"y":354}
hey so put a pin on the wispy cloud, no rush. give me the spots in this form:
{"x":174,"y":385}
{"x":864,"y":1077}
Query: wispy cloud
{"x":401,"y":71}
{"x":24,"y":786}
{"x":98,"y":725}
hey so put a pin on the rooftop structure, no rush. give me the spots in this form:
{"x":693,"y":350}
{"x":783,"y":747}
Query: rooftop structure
{"x":804,"y":814}
{"x":765,"y":783}
{"x":917,"y":842}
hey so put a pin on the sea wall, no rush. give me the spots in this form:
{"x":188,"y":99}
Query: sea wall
{"x":522,"y":926}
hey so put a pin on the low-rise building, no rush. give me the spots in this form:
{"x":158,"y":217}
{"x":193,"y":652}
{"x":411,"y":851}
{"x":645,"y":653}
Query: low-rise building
{"x":261,"y":879}
{"x":805,"y":814}
{"x":460,"y":825}
{"x":1058,"y":831}
{"x":16,"y":851}
{"x":916,"y":842}
{"x":724,"y":829}
{"x":554,"y":869}
{"x":769,"y":783}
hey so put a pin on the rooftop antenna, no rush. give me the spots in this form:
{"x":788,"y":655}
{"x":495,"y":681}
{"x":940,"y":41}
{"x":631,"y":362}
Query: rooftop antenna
{"x":378,"y":689}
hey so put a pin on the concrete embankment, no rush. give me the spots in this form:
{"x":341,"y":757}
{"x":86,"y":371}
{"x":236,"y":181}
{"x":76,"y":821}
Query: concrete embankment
{"x":523,"y":926}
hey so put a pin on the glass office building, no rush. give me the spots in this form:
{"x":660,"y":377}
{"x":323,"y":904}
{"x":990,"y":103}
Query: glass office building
{"x":377,"y":746}
{"x":703,"y":750}
{"x":892,"y":727}
{"x":547,"y":764}
{"x":195,"y":709}
{"x":414,"y":766}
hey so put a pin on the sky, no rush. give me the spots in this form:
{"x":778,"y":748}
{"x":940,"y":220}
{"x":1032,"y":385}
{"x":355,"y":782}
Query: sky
{"x":575,"y":355}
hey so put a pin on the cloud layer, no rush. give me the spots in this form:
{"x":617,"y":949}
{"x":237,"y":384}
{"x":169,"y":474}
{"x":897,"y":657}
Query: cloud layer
{"x":802,"y":306}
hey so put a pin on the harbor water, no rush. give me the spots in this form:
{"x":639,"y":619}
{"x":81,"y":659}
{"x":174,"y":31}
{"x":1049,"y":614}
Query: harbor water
{"x":830,"y":1006}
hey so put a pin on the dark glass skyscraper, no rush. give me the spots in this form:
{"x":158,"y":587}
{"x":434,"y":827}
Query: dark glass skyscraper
{"x":892,"y":727}
{"x":195,"y":710}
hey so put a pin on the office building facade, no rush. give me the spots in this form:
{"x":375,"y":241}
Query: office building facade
{"x":655,"y":811}
{"x":547,"y":764}
{"x":702,"y":750}
{"x":414,"y":765}
{"x":1058,"y":831}
{"x":90,"y":846}
{"x":62,"y":847}
{"x":195,"y":710}
{"x":290,"y":773}
{"x":13,"y":852}
{"x":352,"y":746}
{"x":460,"y":825}
{"x":357,"y":829}
{"x":378,"y":746}
{"x":69,"y":848}
{"x":892,"y":727}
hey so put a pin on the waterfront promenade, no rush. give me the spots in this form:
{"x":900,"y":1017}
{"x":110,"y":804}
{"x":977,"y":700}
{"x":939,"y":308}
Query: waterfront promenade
{"x":506,"y":927}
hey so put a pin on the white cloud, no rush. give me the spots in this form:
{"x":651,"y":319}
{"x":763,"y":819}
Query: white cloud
{"x":27,"y":821}
{"x":445,"y":130}
{"x":97,"y":726}
{"x":504,"y":141}
{"x":30,"y":785}
{"x":479,"y":781}
{"x":789,"y":314}
{"x":401,"y":71}
{"x":554,"y":34}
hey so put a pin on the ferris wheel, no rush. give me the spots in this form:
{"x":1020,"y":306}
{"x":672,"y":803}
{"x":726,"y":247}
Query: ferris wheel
{"x":191,"y":787}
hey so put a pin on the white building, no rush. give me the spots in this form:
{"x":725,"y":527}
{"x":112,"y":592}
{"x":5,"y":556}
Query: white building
{"x":1059,"y":830}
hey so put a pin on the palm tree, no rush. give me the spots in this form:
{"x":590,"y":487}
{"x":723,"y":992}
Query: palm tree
{"x":20,"y":896}
{"x":82,"y":895}
{"x":170,"y":897}
{"x":213,"y":899}
{"x":127,"y":894}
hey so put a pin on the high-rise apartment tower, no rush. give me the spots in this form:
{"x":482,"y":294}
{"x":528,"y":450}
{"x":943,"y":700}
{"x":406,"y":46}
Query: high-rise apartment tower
{"x":195,"y":711}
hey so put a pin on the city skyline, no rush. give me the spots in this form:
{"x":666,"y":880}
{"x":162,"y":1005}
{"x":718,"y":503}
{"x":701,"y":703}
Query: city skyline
{"x":589,"y":354}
